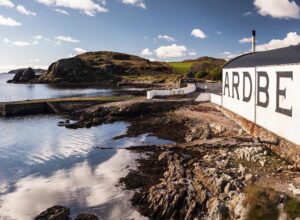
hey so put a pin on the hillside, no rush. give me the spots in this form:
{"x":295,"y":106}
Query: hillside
{"x":111,"y":67}
{"x":206,"y":68}
{"x":201,"y":68}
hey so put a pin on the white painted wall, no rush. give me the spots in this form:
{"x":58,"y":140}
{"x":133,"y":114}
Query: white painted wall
{"x":267,"y":117}
{"x":246,"y":109}
{"x":216,"y":99}
{"x":285,"y":126}
{"x":182,"y":91}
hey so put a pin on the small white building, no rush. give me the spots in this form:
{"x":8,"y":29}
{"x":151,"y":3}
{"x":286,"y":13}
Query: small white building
{"x":264,"y":88}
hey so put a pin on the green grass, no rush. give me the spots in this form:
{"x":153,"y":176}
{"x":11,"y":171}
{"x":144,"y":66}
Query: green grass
{"x":292,"y":208}
{"x":181,"y":68}
{"x":262,"y":203}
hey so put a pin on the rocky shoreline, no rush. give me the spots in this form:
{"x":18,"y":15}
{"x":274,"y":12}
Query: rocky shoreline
{"x":214,"y":169}
{"x":207,"y":176}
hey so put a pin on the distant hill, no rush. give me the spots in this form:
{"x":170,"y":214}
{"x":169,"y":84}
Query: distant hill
{"x":94,"y":67}
{"x":202,"y":68}
{"x":206,"y":68}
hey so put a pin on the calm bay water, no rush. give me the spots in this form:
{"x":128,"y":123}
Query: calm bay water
{"x":17,"y":92}
{"x":42,"y":165}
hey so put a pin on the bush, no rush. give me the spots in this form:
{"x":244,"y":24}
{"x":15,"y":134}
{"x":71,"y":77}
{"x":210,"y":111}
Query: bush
{"x":216,"y":74}
{"x":292,"y":208}
{"x":201,"y":75}
{"x":262,"y":203}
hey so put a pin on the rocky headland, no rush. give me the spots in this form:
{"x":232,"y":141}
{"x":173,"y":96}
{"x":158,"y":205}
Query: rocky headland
{"x":94,"y":68}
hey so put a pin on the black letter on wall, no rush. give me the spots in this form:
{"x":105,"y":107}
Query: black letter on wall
{"x":226,"y":86}
{"x":235,"y":85}
{"x":262,"y":89}
{"x":247,"y":98}
{"x":282,"y":92}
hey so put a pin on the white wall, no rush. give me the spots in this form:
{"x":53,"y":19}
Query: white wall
{"x":182,"y":91}
{"x":281,"y":124}
{"x":246,"y":109}
{"x":268,"y":117}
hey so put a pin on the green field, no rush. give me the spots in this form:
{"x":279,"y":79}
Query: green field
{"x":181,"y":67}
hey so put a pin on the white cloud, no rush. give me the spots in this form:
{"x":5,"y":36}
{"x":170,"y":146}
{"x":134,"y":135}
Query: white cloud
{"x":247,"y":13}
{"x":66,"y":39}
{"x":79,"y":50}
{"x":16,"y":43}
{"x":20,"y":43}
{"x":23,"y":10}
{"x":89,"y":7}
{"x":218,"y":32}
{"x":146,"y":52}
{"x":166,"y":37}
{"x":229,"y":55}
{"x":171,"y":51}
{"x":138,"y":3}
{"x":198,"y":33}
{"x":34,"y":60}
{"x":291,"y":38}
{"x":7,"y":21}
{"x":282,"y":9}
{"x":61,"y":11}
{"x":40,"y":37}
{"x":7,"y":3}
{"x":192,"y":53}
{"x":245,"y":40}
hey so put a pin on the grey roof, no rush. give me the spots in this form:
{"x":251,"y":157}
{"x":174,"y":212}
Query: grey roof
{"x":287,"y":55}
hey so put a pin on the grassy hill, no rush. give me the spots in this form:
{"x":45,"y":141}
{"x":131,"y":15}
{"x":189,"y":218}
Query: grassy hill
{"x":181,"y":68}
{"x":207,"y":68}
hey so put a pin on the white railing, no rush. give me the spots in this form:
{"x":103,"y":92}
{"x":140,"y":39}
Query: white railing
{"x":181,"y":91}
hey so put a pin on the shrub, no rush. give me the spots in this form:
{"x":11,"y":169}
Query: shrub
{"x":216,"y":74}
{"x":262,"y":203}
{"x":292,"y":208}
{"x":201,"y":75}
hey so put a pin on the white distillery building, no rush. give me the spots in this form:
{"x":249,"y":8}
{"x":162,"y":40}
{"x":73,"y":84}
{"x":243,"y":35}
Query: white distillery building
{"x":264,"y":88}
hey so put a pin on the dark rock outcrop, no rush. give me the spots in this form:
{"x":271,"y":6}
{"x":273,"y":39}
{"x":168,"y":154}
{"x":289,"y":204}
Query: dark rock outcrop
{"x":62,"y":213}
{"x":54,"y":213}
{"x":37,"y":71}
{"x":96,"y":67}
{"x":23,"y":75}
{"x":85,"y":216}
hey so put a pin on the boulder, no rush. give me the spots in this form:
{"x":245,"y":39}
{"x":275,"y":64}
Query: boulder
{"x":85,"y":216}
{"x":54,"y":213}
{"x":27,"y":75}
{"x":18,"y":76}
{"x":23,"y":75}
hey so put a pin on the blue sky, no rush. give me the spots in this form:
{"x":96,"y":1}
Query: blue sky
{"x":38,"y":32}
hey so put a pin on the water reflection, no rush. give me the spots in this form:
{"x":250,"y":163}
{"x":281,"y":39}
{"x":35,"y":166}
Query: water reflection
{"x":42,"y":165}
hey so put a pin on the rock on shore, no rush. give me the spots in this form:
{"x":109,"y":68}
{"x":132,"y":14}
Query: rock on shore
{"x":24,"y":75}
{"x":62,"y":213}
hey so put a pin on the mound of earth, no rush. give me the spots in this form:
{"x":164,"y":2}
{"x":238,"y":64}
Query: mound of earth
{"x":206,"y":68}
{"x":96,"y":67}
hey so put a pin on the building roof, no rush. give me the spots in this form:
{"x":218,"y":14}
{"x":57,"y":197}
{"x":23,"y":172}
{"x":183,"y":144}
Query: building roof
{"x":286,"y":55}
